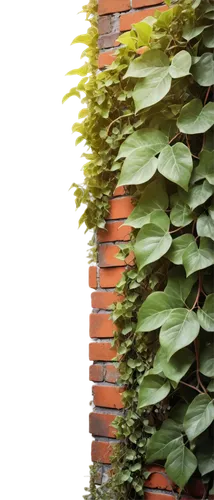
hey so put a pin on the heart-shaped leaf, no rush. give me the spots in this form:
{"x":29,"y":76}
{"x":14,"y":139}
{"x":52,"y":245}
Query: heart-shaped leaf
{"x":138,"y":168}
{"x":198,"y":194}
{"x":152,"y":242}
{"x":195,"y":258}
{"x":175,"y":163}
{"x":199,"y":416}
{"x":177,"y":366}
{"x":152,"y":390}
{"x":150,"y":63}
{"x":178,"y":286}
{"x":205,"y":169}
{"x":163,"y":441}
{"x":181,"y":214}
{"x":196,"y":118}
{"x":152,"y":89}
{"x":178,"y":246}
{"x":181,"y":64}
{"x":203,"y":70}
{"x":206,"y":314}
{"x":205,"y":226}
{"x":178,"y":331}
{"x":155,"y":310}
{"x":153,"y":199}
{"x":180,"y":465}
{"x":151,"y":139}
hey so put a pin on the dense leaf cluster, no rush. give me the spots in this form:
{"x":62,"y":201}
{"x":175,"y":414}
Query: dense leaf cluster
{"x":149,"y":127}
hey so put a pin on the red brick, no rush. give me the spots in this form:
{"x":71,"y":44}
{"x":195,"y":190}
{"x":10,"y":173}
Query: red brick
{"x":126,"y":20}
{"x":114,"y":231}
{"x":100,"y":425}
{"x":119,"y":191}
{"x":101,"y":326}
{"x":104,"y":25}
{"x":108,"y":40}
{"x":158,"y":480}
{"x":107,"y":257}
{"x":110,"y":6}
{"x":101,"y":451}
{"x":104,"y":300}
{"x":108,"y":396}
{"x":101,"y":351}
{"x":105,"y":58}
{"x":92,"y":277}
{"x":152,"y":495}
{"x":144,"y":3}
{"x":111,"y":374}
{"x":109,"y":277}
{"x":120,"y":208}
{"x":96,"y":373}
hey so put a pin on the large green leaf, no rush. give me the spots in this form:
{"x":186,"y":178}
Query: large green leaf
{"x":150,"y":63}
{"x":177,"y":366}
{"x":163,"y":441}
{"x":178,"y":246}
{"x":153,"y":199}
{"x":151,"y":89}
{"x":180,"y":65}
{"x":198,"y":194}
{"x":190,"y":31}
{"x":138,"y":167}
{"x":205,"y":226}
{"x":206,"y":314}
{"x":152,"y":243}
{"x":155,"y":311}
{"x":178,"y":331}
{"x":181,"y":214}
{"x":199,"y":416}
{"x":178,"y":286}
{"x":151,"y":139}
{"x":196,"y":118}
{"x":207,"y":358}
{"x":180,"y":465}
{"x":152,"y":390}
{"x":203,"y":70}
{"x":205,"y":457}
{"x":195,"y":258}
{"x":205,"y":169}
{"x":175,"y":163}
{"x":208,"y":38}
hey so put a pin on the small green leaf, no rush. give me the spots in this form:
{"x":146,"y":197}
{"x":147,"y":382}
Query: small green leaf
{"x":203,"y":70}
{"x":150,"y":63}
{"x":175,"y":163}
{"x":206,"y":315}
{"x":191,"y":31}
{"x":83,"y":71}
{"x":205,"y":169}
{"x":129,"y":39}
{"x":196,"y":118}
{"x":180,"y":215}
{"x":199,"y":416}
{"x":195,"y":258}
{"x":177,"y":366}
{"x":180,"y":65}
{"x":155,"y":310}
{"x":207,"y":358}
{"x":144,"y":31}
{"x":152,"y":390}
{"x":198,"y":194}
{"x":152,"y":243}
{"x":205,"y":226}
{"x":85,"y":39}
{"x":73,"y":92}
{"x":178,"y":331}
{"x":153,"y":199}
{"x":179,"y":245}
{"x":180,"y":465}
{"x":163,"y":441}
{"x":208,"y":38}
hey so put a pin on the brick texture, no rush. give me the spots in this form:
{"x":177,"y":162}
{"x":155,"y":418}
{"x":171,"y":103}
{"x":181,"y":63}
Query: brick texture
{"x":114,"y":231}
{"x":107,"y":257}
{"x":110,"y":6}
{"x":136,"y":4}
{"x":120,"y":208}
{"x":92,"y":277}
{"x":110,"y":277}
{"x":101,"y":452}
{"x":108,"y":396}
{"x":101,"y":326}
{"x":100,"y":424}
{"x":104,"y":300}
{"x":101,"y":351}
{"x":126,"y":20}
{"x":111,"y":373}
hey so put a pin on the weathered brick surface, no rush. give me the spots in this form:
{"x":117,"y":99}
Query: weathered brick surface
{"x":108,"y":396}
{"x":111,"y":373}
{"x":104,"y":300}
{"x":100,"y":424}
{"x":136,"y":4}
{"x":126,"y":20}
{"x":120,"y":208}
{"x":92,"y":277}
{"x":158,"y":479}
{"x":111,"y":6}
{"x":105,"y":58}
{"x":108,"y":40}
{"x":114,"y":231}
{"x":101,"y":451}
{"x":101,"y":326}
{"x":104,"y":25}
{"x":101,"y":351}
{"x":96,"y":373}
{"x":109,"y":277}
{"x":107,"y":257}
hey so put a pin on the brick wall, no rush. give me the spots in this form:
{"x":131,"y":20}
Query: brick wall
{"x":115,"y":17}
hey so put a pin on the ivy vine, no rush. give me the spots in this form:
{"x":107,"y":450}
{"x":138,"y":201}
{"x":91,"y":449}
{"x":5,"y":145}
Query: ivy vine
{"x":148,"y":124}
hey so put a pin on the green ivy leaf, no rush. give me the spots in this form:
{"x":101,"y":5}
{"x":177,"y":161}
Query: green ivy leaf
{"x":178,"y":331}
{"x":205,"y":457}
{"x":190,"y":31}
{"x":150,"y":139}
{"x":155,"y":310}
{"x":180,"y":65}
{"x":151,"y":89}
{"x":83,"y":71}
{"x":151,"y":63}
{"x":152,"y":243}
{"x":152,"y":390}
{"x":196,"y":118}
{"x":199,"y":416}
{"x":203,"y":70}
{"x":177,"y":366}
{"x":178,"y":412}
{"x":175,"y":163}
{"x":210,"y":386}
{"x":179,"y":245}
{"x":144,"y":31}
{"x":198,"y":194}
{"x":205,"y":226}
{"x":206,"y":314}
{"x":163,"y":441}
{"x":73,"y":92}
{"x":138,"y":168}
{"x":178,"y":286}
{"x":180,"y":215}
{"x":208,"y":38}
{"x":85,"y":39}
{"x":153,"y":199}
{"x":205,"y":169}
{"x":195,"y":258}
{"x":129,"y":39}
{"x":180,"y":465}
{"x":207,"y":357}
